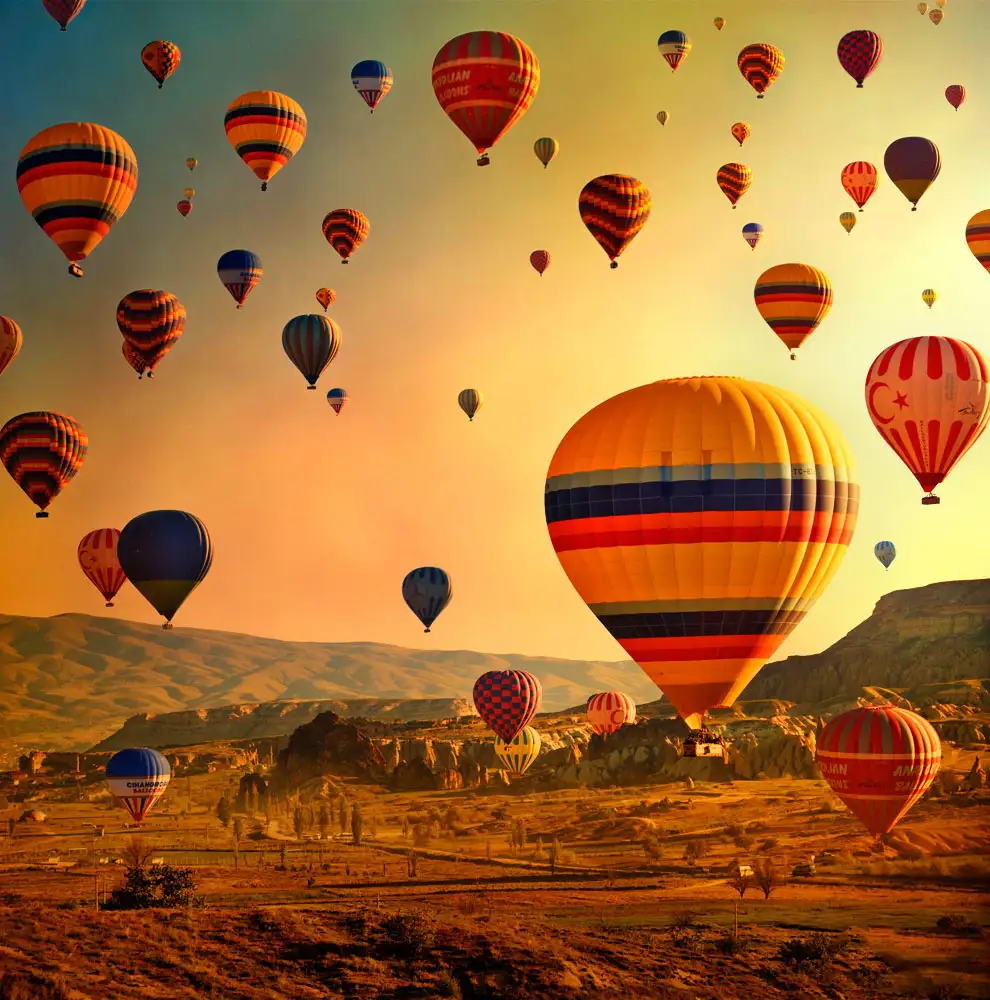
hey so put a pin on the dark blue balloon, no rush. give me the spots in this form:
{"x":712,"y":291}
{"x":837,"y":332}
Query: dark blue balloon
{"x":137,"y":762}
{"x":427,"y":591}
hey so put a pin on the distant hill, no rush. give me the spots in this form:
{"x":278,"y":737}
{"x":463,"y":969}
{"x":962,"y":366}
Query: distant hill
{"x":71,"y":681}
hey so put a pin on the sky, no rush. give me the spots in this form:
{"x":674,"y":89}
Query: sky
{"x":316,"y":519}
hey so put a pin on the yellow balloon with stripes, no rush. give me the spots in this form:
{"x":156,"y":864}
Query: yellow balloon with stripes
{"x":518,"y":756}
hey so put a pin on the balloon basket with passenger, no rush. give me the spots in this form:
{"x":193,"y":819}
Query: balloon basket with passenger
{"x":703,"y":743}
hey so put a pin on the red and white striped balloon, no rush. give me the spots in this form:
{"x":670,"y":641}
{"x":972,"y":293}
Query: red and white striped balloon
{"x":610,"y":711}
{"x":98,"y":559}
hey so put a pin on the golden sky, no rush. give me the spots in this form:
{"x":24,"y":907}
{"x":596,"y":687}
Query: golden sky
{"x":315,"y":518}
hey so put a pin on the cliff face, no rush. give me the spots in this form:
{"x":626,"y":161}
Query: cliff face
{"x":927,"y":637}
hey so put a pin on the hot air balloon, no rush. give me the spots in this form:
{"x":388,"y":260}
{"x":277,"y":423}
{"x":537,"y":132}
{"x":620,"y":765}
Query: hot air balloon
{"x":740,"y":132}
{"x":540,"y":259}
{"x":151,"y":321}
{"x":941,"y":3}
{"x":98,"y":559}
{"x":614,"y":208}
{"x":928,"y":296}
{"x":183,"y":207}
{"x":336,"y":398}
{"x":860,"y":180}
{"x":372,"y":80}
{"x":519,"y":754}
{"x":734,"y":180}
{"x":955,"y":95}
{"x":134,"y":359}
{"x":427,"y":590}
{"x":885,"y":553}
{"x":912,"y":163}
{"x":609,"y":711}
{"x":77,"y":180}
{"x":752,"y":233}
{"x":760,"y":65}
{"x":311,"y":342}
{"x":64,"y":11}
{"x":191,"y":162}
{"x":719,"y":23}
{"x":546,"y":149}
{"x":927,"y":397}
{"x":469,"y":400}
{"x":848,"y":221}
{"x":484,"y":82}
{"x":978,"y":237}
{"x":189,"y":192}
{"x":137,"y":779}
{"x":922,"y":8}
{"x":42,"y":452}
{"x":11,"y":341}
{"x":793,"y":299}
{"x":859,"y":53}
{"x":674,"y":47}
{"x":507,"y":700}
{"x":161,"y":59}
{"x":663,"y":117}
{"x":266,"y":129}
{"x":326,"y":297}
{"x":239,"y":271}
{"x":166,"y":554}
{"x":936,"y":16}
{"x":345,"y":229}
{"x":700,"y":519}
{"x":879,"y":761}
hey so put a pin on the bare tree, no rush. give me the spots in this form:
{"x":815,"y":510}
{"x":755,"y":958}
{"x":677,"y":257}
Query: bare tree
{"x":137,"y":853}
{"x":767,"y":875}
{"x":741,"y":878}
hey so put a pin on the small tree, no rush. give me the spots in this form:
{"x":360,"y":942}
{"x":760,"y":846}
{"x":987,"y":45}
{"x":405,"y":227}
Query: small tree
{"x":767,"y":875}
{"x":374,"y":826}
{"x":238,"y":829}
{"x":405,"y":826}
{"x":137,"y":853}
{"x":343,"y":814}
{"x":323,"y":820}
{"x":357,"y":823}
{"x":554,"y":852}
{"x":411,"y":864}
{"x":298,"y":822}
{"x":740,"y":879}
{"x":281,"y":856}
{"x":224,"y":812}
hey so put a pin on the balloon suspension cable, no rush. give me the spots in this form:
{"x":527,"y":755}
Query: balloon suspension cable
{"x":41,"y":513}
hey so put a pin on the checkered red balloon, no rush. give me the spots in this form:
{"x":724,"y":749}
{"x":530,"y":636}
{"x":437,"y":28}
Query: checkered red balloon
{"x":507,"y":700}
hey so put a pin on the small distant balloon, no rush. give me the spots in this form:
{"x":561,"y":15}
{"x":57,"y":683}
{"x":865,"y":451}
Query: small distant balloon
{"x":674,"y":46}
{"x":266,"y":129}
{"x":860,"y":180}
{"x":922,"y":9}
{"x":97,"y":553}
{"x":978,"y":237}
{"x":955,"y":95}
{"x":760,"y":64}
{"x":848,"y":221}
{"x":183,"y":207}
{"x":912,"y":163}
{"x":191,"y":162}
{"x":161,"y":59}
{"x":741,"y":132}
{"x":793,"y":299}
{"x":326,"y":297}
{"x":734,"y":180}
{"x":63,"y":11}
{"x":469,"y":400}
{"x":427,"y":591}
{"x":719,"y":23}
{"x":928,"y":296}
{"x":337,"y":398}
{"x":663,"y":117}
{"x":752,"y":233}
{"x":240,"y":271}
{"x":311,"y":342}
{"x":546,"y":149}
{"x":540,"y":259}
{"x":372,"y":80}
{"x":345,"y":229}
{"x":936,"y":16}
{"x":189,"y":192}
{"x":859,"y":54}
{"x":885,"y":553}
{"x":11,"y":341}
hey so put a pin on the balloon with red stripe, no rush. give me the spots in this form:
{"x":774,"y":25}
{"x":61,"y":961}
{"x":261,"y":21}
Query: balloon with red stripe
{"x":860,"y":180}
{"x":507,"y":700}
{"x":928,"y":399}
{"x":11,"y":341}
{"x":98,"y":560}
{"x":610,"y":711}
{"x":700,"y":519}
{"x":879,"y":761}
{"x":978,"y":237}
{"x":793,"y":299}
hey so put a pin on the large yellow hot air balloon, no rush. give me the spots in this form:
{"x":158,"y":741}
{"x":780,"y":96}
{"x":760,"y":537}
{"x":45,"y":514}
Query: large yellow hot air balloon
{"x":266,"y":130}
{"x":700,"y":519}
{"x":77,"y":180}
{"x":793,"y":299}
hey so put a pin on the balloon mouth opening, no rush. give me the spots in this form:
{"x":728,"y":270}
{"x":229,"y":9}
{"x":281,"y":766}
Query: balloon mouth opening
{"x":929,"y":500}
{"x":41,"y":513}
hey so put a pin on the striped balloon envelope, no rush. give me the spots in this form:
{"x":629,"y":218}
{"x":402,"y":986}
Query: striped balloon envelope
{"x":734,"y":180}
{"x":741,"y":132}
{"x":674,"y":46}
{"x":326,"y":297}
{"x":427,"y":591}
{"x":345,"y":229}
{"x":928,"y":399}
{"x":63,"y":11}
{"x":546,"y":149}
{"x":372,"y":79}
{"x":912,"y":163}
{"x":700,"y":519}
{"x":928,"y":296}
{"x":97,"y":554}
{"x":266,"y":129}
{"x":42,"y":451}
{"x":152,"y":321}
{"x":484,"y":81}
{"x":860,"y":180}
{"x":137,"y":779}
{"x":752,"y":233}
{"x":885,"y":553}
{"x":166,"y":554}
{"x":77,"y":180}
{"x":507,"y":700}
{"x":860,"y":53}
{"x":614,"y":208}
{"x":337,"y":398}
{"x":239,"y":271}
{"x":470,"y":401}
{"x":760,"y":64}
{"x":879,"y":761}
{"x":610,"y":711}
{"x":161,"y":59}
{"x":311,"y":342}
{"x":11,"y":341}
{"x":134,"y":359}
{"x":848,"y":221}
{"x":978,"y":237}
{"x":519,"y":754}
{"x":793,"y":299}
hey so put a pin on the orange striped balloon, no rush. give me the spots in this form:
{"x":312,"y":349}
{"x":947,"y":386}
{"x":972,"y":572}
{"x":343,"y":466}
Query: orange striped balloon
{"x":614,"y":208}
{"x":161,"y":59}
{"x":345,"y":229}
{"x":978,"y":237}
{"x":266,"y":129}
{"x":77,"y":180}
{"x":793,"y":299}
{"x":928,"y":398}
{"x":610,"y":711}
{"x":98,"y":559}
{"x":134,"y":359}
{"x":761,"y":64}
{"x":42,"y":451}
{"x":152,"y":321}
{"x":734,"y":179}
{"x":11,"y":341}
{"x":879,"y":761}
{"x":860,"y":180}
